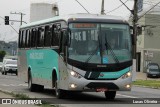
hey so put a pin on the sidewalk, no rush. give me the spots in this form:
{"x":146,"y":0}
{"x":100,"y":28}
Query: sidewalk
{"x":3,"y":96}
{"x":142,"y":76}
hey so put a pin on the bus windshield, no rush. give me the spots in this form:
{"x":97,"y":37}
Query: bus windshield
{"x":99,"y":43}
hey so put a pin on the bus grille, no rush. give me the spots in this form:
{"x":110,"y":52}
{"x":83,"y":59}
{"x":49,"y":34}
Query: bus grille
{"x":95,"y":85}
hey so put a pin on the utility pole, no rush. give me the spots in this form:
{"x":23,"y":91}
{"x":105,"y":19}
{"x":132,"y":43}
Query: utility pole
{"x":102,"y":8}
{"x":135,"y":20}
{"x":20,"y":13}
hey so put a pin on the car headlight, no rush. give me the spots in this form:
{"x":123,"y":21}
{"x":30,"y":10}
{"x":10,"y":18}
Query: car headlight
{"x":75,"y":74}
{"x":128,"y":74}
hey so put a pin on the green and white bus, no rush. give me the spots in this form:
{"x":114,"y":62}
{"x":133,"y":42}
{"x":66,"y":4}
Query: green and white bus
{"x":75,"y":53}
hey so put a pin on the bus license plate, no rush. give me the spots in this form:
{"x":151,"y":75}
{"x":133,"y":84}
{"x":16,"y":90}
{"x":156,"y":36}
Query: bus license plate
{"x":101,"y":89}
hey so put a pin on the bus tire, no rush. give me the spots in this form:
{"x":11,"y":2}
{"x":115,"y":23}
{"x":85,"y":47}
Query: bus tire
{"x":110,"y":95}
{"x":16,"y":73}
{"x":40,"y":88}
{"x":2,"y":73}
{"x":59,"y":92}
{"x":31,"y":86}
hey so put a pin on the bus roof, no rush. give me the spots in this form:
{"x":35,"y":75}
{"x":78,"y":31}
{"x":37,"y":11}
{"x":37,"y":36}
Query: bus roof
{"x":74,"y":16}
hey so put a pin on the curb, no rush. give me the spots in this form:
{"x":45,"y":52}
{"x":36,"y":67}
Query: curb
{"x":146,"y":86}
{"x":5,"y":91}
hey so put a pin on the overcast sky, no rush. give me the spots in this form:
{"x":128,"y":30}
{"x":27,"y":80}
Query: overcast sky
{"x":65,"y":7}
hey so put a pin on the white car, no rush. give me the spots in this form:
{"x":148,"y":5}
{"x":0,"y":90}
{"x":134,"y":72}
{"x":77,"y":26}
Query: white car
{"x":9,"y":66}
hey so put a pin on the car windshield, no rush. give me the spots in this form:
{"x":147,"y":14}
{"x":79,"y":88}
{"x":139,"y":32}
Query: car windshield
{"x":12,"y":62}
{"x":155,"y":67}
{"x":99,"y":43}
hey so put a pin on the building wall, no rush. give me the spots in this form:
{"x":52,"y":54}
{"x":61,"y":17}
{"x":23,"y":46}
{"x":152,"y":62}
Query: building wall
{"x":152,"y":31}
{"x":40,"y":11}
{"x":148,"y":42}
{"x":140,"y":37}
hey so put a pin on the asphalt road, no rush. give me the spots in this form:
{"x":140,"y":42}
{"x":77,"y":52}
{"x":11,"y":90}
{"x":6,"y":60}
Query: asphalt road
{"x":12,"y":83}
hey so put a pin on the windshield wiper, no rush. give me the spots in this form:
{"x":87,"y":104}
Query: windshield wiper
{"x":111,"y":50}
{"x":94,"y":52}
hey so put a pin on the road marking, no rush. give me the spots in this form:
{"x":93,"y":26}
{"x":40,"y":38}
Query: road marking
{"x":127,"y":96}
{"x":4,"y":84}
{"x":14,"y":85}
{"x":23,"y":84}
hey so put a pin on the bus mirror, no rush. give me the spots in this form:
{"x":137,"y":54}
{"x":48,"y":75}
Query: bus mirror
{"x":68,"y":37}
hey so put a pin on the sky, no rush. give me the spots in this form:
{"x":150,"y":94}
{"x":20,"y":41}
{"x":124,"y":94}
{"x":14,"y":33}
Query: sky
{"x":65,"y":7}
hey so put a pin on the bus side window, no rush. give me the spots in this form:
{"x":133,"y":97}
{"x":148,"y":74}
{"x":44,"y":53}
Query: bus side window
{"x":40,"y":37}
{"x":19,"y":39}
{"x":33,"y":37}
{"x":25,"y":43}
{"x":23,"y":39}
{"x":27,"y":39}
{"x":55,"y":36}
{"x":47,"y":36}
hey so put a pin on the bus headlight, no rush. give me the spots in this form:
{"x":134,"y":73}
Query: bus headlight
{"x":73,"y":85}
{"x":128,"y":74}
{"x":128,"y":86}
{"x":75,"y":74}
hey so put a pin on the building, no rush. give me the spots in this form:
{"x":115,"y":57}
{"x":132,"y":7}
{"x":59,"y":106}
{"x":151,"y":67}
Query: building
{"x":40,"y":11}
{"x":148,"y":48}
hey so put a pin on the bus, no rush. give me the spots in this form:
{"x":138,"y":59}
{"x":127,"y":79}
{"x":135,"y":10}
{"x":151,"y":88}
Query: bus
{"x":74,"y":53}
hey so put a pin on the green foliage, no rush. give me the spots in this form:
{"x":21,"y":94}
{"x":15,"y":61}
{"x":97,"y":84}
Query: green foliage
{"x":2,"y":54}
{"x":148,"y":83}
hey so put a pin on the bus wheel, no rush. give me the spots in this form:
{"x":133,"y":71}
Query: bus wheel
{"x":2,"y":73}
{"x":59,"y":92}
{"x":32,"y":87}
{"x":110,"y":95}
{"x":16,"y":73}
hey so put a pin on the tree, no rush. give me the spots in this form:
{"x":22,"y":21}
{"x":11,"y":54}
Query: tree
{"x":2,"y":54}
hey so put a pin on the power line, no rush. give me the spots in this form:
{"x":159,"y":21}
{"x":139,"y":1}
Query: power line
{"x":82,"y":6}
{"x":116,"y":7}
{"x":126,"y":6}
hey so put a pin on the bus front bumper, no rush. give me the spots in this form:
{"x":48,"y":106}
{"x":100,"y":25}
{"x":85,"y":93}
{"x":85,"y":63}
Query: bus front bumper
{"x":82,"y":84}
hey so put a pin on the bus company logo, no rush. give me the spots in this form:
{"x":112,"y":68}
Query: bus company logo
{"x":36,"y":55}
{"x":101,"y":75}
